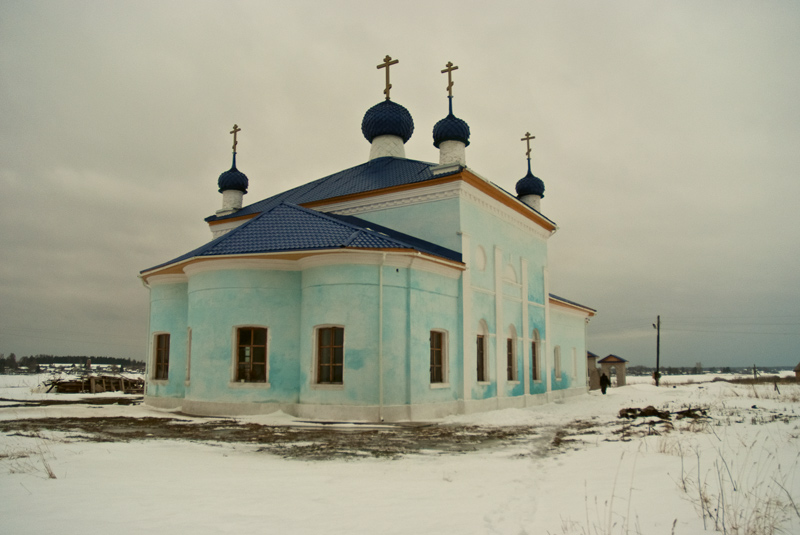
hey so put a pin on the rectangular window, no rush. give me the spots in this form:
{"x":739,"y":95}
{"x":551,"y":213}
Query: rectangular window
{"x":438,"y":361}
{"x":511,"y":361}
{"x":330,"y":355}
{"x":481,"y":352}
{"x":161,"y":371}
{"x":534,"y":361}
{"x":251,"y":355}
{"x":557,"y":362}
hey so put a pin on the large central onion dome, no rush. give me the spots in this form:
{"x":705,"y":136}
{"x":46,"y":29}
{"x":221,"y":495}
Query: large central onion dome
{"x":233,"y":179}
{"x":451,"y":128}
{"x":387,"y":119}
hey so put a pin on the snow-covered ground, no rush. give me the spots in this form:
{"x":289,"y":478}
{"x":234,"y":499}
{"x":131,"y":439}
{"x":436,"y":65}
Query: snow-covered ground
{"x":584,"y":472}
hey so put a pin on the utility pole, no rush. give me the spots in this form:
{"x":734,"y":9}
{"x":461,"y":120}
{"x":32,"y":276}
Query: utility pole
{"x":657,"y":327}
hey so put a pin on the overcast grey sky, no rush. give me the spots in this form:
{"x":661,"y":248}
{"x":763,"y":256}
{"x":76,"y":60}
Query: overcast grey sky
{"x":667,"y":135}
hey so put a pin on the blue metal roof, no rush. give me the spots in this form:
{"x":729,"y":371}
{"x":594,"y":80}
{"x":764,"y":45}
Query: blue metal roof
{"x":288,"y":227}
{"x":571,"y":302}
{"x":373,"y":175}
{"x":417,"y":243}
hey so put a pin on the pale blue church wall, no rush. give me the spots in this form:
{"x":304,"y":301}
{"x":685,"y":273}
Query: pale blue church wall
{"x":567,"y":332}
{"x":221,"y":301}
{"x":512,"y":315}
{"x":416,"y":220}
{"x":434,"y":305}
{"x":483,"y":308}
{"x":536,"y":321}
{"x":345,"y":296}
{"x":396,"y":331}
{"x":168,"y":314}
{"x":486,"y":232}
{"x":414,"y":303}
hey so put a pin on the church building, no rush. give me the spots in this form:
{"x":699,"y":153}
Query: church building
{"x":394,"y":290}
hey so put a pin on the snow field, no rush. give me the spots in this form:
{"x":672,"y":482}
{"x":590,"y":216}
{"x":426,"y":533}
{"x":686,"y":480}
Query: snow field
{"x":735,"y":471}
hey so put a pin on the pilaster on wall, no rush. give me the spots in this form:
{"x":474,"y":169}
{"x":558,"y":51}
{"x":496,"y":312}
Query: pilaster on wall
{"x":499,"y":328}
{"x":546,"y":360}
{"x":526,"y":340}
{"x":469,"y":363}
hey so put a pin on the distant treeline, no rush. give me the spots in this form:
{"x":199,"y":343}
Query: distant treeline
{"x":11,"y":362}
{"x":693,"y":370}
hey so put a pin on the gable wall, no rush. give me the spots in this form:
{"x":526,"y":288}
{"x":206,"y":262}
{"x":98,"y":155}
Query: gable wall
{"x":435,"y":221}
{"x":506,"y":264}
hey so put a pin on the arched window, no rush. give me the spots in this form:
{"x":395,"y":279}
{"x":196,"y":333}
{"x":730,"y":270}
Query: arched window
{"x":510,"y":274}
{"x":438,"y":346}
{"x":480,"y":258}
{"x":535,"y":364}
{"x":511,"y":354}
{"x":482,"y":353}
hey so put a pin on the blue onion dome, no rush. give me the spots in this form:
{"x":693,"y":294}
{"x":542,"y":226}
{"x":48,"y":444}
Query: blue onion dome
{"x":387,"y":119}
{"x":530,"y":185}
{"x":451,"y":128}
{"x":233,"y":179}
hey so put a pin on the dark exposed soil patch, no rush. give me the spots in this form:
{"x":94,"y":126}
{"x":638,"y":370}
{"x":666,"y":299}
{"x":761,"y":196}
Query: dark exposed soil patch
{"x":313,"y":442}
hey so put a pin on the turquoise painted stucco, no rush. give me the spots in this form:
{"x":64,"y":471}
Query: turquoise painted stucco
{"x":416,"y":220}
{"x":387,"y":303}
{"x":168,"y":315}
{"x":568,"y":334}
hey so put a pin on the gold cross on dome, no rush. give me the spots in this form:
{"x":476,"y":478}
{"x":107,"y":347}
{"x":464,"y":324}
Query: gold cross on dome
{"x":387,"y":62}
{"x":235,"y":131}
{"x":449,"y":70}
{"x":527,"y":139}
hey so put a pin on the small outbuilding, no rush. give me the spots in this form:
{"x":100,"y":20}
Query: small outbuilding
{"x":614,"y":367}
{"x":592,"y":373}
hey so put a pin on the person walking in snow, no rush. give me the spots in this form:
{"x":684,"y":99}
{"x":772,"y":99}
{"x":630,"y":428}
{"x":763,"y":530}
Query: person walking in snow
{"x":605,"y":382}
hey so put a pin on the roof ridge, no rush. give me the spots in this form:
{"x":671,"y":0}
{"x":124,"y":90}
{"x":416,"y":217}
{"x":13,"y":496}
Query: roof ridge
{"x":324,"y":185}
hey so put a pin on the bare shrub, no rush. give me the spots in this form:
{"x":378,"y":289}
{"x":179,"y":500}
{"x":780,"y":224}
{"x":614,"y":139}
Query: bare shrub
{"x":748,"y":498}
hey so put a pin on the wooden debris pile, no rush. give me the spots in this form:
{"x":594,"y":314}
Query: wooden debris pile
{"x":647,"y":412}
{"x":96,"y":384}
{"x":651,"y":412}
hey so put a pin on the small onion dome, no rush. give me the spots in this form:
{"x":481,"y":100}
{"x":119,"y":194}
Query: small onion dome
{"x":530,"y":185}
{"x":451,"y":128}
{"x":387,"y":119}
{"x":233,"y":179}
